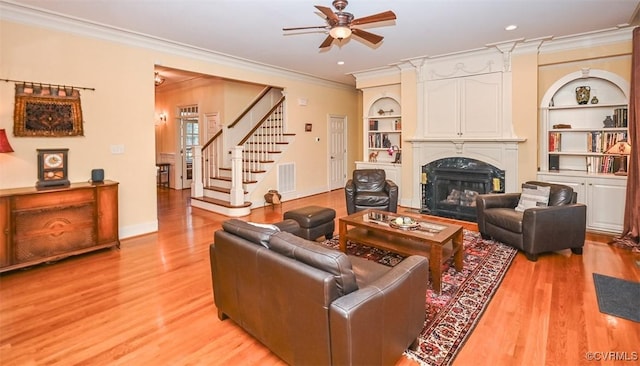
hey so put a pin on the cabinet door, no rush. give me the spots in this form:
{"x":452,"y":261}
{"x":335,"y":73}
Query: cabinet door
{"x":605,"y":207}
{"x":442,"y":108}
{"x":107,"y":214}
{"x":481,"y":113}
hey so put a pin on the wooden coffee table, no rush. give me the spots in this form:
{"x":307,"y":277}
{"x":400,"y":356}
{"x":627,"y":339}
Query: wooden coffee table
{"x":437,"y":241}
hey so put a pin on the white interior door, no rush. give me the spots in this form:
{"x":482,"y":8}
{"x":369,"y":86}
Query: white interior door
{"x":337,"y":151}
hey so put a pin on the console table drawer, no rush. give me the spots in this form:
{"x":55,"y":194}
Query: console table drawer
{"x":53,"y":199}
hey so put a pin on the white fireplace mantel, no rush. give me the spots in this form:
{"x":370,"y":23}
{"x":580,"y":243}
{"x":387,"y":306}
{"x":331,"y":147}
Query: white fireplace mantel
{"x":500,"y":152}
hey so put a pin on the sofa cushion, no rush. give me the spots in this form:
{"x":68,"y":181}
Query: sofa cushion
{"x":506,"y":218}
{"x":258,"y":234}
{"x":533,"y":196}
{"x":372,"y":199}
{"x":314,"y":255}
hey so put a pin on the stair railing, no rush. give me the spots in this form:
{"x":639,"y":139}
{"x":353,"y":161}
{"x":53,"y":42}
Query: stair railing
{"x":261,"y":141}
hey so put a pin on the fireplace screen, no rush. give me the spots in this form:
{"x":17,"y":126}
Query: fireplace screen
{"x":450,"y":186}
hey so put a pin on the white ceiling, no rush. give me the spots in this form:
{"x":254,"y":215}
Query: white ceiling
{"x":252,"y":29}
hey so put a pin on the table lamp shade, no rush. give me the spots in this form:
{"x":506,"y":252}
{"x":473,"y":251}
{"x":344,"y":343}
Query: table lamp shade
{"x":5,"y":146}
{"x":621,"y":148}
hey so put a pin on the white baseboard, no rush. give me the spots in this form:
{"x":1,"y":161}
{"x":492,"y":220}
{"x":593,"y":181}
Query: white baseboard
{"x":140,"y":229}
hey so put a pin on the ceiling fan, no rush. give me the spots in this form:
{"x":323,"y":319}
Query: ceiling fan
{"x":341,"y":23}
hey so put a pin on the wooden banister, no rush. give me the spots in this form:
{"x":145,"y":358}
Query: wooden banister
{"x":255,"y":101}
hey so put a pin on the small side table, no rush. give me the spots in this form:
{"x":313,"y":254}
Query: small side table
{"x":164,"y":171}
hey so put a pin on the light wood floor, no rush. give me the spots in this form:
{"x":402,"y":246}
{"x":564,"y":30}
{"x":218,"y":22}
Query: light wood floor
{"x":151,"y":303}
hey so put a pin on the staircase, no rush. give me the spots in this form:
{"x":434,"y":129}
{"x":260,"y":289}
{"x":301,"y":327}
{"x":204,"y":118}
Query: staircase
{"x":254,"y":143}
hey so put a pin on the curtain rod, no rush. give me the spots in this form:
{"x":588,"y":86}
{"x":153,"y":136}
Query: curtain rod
{"x":47,"y":84}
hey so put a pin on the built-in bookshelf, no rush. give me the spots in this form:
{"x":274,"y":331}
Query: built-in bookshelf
{"x":579,"y":135}
{"x":384,"y":132}
{"x":574,"y":139}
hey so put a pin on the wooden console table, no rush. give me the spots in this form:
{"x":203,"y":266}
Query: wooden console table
{"x":41,"y":225}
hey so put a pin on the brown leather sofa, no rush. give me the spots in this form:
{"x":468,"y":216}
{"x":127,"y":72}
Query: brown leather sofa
{"x":312,"y":305}
{"x":561,"y":225}
{"x":370,"y":188}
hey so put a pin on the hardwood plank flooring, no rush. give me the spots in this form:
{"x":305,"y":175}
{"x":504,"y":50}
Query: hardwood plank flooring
{"x":151,"y":303}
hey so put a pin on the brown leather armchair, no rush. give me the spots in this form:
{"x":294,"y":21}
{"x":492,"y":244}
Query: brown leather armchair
{"x":561,"y":225}
{"x":370,"y":188}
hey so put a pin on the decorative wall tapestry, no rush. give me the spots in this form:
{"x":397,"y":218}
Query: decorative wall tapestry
{"x":47,"y":110}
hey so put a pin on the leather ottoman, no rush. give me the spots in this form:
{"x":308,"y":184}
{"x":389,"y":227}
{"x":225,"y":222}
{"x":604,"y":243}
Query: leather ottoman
{"x":314,"y":221}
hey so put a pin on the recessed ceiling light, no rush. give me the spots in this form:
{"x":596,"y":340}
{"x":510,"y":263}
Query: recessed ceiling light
{"x":340,"y":62}
{"x":511,"y":27}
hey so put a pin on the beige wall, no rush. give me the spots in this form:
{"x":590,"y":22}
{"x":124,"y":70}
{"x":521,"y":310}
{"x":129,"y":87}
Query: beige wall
{"x":121,"y":111}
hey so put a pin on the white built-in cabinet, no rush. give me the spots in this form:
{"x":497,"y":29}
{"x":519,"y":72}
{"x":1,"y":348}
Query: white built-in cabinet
{"x":465,"y":107}
{"x":574,"y":140}
{"x":604,"y":197}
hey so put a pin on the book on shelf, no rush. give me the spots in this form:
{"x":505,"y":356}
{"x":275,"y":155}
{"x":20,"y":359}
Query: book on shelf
{"x":602,"y":164}
{"x":555,"y":139}
{"x":397,"y":125}
{"x":598,"y":141}
{"x":621,"y":117}
{"x":373,"y":125}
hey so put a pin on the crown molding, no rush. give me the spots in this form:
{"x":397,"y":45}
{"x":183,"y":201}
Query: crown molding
{"x":31,"y":16}
{"x":587,"y":40}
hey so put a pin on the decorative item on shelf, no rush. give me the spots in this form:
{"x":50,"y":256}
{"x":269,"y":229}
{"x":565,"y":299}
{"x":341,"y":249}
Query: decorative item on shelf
{"x":5,"y":146}
{"x":621,"y":149}
{"x":398,"y":158}
{"x":393,"y":148}
{"x":583,"y":94}
{"x":373,"y":156}
{"x":594,"y":100}
{"x":608,"y":122}
{"x":52,"y":168}
{"x":386,"y":143}
{"x":396,"y":149}
{"x":561,"y":125}
{"x":383,"y":112}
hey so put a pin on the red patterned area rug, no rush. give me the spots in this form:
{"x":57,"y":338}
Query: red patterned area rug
{"x":451,"y":315}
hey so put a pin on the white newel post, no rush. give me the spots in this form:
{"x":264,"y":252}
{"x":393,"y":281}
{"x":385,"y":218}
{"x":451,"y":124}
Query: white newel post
{"x":197,"y":186}
{"x":237,"y":192}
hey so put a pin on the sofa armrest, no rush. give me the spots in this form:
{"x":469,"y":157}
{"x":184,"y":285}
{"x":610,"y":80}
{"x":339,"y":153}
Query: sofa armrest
{"x":544,"y":227}
{"x":350,"y":196}
{"x":386,"y":315}
{"x":392,"y":190}
{"x":493,"y":200}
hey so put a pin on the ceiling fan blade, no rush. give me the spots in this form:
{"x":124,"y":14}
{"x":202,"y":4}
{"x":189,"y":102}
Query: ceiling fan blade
{"x":327,"y":42}
{"x":373,"y":38}
{"x":300,"y":28}
{"x":328,"y":13}
{"x":380,"y":17}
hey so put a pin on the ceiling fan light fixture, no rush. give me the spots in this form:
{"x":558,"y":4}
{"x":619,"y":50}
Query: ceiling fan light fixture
{"x":340,"y":32}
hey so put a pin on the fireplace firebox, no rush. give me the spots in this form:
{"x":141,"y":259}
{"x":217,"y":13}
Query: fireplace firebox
{"x":450,"y":186}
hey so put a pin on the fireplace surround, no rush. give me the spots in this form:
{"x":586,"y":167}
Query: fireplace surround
{"x":500,"y":153}
{"x":450,"y":186}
